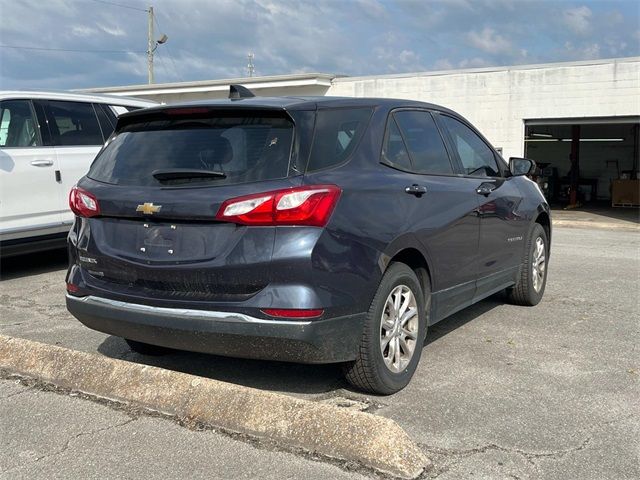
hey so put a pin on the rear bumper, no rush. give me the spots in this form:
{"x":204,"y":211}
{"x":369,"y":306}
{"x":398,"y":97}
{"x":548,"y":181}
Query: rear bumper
{"x":223,"y":333}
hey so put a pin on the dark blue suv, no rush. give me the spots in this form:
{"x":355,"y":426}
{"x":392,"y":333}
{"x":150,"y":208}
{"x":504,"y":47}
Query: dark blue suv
{"x":301,"y":229}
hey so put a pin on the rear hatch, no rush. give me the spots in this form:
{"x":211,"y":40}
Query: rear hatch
{"x":159,"y":184}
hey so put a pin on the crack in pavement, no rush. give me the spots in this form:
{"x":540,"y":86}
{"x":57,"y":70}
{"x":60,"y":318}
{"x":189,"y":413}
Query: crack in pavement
{"x":465,"y":453}
{"x":136,"y":412}
{"x":15,"y":394}
{"x":67,"y":444}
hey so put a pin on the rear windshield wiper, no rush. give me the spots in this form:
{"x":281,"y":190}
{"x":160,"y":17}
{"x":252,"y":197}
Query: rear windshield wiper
{"x":185,"y":174}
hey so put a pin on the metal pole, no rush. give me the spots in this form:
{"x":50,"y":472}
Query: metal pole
{"x":150,"y":46}
{"x":575,"y":165}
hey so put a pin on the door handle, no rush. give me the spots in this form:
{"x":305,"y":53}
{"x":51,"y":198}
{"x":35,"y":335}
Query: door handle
{"x":415,"y":189}
{"x":42,"y":163}
{"x":486,"y":188}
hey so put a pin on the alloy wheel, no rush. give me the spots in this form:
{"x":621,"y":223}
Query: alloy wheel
{"x":538,"y":265}
{"x":399,"y":328}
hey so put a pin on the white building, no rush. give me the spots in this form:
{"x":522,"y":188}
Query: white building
{"x":527,"y":110}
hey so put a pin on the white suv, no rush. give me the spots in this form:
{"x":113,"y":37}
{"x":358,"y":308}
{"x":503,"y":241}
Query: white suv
{"x":47,"y":143}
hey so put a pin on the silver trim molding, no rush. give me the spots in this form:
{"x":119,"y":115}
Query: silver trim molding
{"x":228,"y":317}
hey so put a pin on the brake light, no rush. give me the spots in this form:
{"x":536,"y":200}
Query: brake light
{"x":309,"y":205}
{"x":83,"y":203}
{"x":293,"y":313}
{"x":187,"y":111}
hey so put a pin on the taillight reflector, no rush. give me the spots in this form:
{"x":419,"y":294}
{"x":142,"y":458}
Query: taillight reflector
{"x":83,"y":203}
{"x":293,"y":313}
{"x":309,"y":205}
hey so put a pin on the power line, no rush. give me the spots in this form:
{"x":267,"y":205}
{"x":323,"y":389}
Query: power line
{"x":120,"y":5}
{"x":177,"y":72}
{"x":22,"y":47}
{"x":164,"y":67}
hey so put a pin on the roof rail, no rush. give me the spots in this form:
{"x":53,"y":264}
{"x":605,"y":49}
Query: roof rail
{"x":238,"y":92}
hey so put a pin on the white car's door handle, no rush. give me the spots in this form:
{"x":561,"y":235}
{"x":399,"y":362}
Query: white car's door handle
{"x":42,"y":163}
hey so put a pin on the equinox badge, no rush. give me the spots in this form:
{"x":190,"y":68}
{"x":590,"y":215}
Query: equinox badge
{"x":148,"y":208}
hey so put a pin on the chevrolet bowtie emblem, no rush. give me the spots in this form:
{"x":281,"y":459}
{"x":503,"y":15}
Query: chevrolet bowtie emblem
{"x":148,"y":208}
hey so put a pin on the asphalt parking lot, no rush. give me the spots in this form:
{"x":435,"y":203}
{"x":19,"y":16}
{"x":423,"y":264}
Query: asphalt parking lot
{"x":501,"y":391}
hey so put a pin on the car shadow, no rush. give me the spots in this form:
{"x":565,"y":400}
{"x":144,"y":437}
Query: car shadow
{"x":33,"y":264}
{"x":293,"y":378}
{"x":267,"y":375}
{"x":448,"y":325}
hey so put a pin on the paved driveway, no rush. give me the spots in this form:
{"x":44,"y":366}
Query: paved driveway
{"x":501,"y":391}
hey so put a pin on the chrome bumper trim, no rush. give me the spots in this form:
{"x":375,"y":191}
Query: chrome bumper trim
{"x":229,"y":317}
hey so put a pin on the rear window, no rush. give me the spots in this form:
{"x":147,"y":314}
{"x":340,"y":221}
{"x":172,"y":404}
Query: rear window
{"x":337,"y":134}
{"x":243,"y":148}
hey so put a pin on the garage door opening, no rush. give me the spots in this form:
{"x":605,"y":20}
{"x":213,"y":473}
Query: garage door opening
{"x":586,"y":162}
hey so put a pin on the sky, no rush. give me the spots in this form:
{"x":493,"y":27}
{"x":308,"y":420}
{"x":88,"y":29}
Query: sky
{"x":210,"y":39}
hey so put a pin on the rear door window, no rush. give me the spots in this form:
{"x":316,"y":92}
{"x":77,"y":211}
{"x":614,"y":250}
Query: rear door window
{"x":242,"y":148}
{"x":18,"y":127}
{"x":422,"y":138}
{"x":74,"y":124}
{"x":475,"y":155}
{"x":106,"y":124}
{"x":394,"y":150}
{"x":337,"y":134}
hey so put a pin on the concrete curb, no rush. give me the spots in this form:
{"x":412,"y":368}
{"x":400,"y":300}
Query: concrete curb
{"x":597,"y":225}
{"x":371,"y":440}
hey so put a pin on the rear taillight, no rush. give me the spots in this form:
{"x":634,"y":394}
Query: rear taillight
{"x":310,"y":205}
{"x":83,"y":203}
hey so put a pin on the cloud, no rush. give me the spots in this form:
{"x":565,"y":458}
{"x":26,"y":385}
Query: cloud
{"x":372,"y":7}
{"x":589,"y":51}
{"x":489,"y":41}
{"x":475,"y":62}
{"x":398,"y":61}
{"x":82,"y":31}
{"x":209,"y":40}
{"x":578,"y":19}
{"x":443,"y":64}
{"x":113,"y":31}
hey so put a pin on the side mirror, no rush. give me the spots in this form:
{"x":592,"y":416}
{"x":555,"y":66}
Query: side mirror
{"x":521,"y":166}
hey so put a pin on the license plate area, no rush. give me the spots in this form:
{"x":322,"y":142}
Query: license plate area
{"x":150,"y":242}
{"x":158,"y":240}
{"x":172,"y":242}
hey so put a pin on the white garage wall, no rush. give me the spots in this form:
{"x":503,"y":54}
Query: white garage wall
{"x":498,"y":100}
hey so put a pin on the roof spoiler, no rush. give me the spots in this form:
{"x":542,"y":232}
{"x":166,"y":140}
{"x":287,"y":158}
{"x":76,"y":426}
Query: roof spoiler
{"x":238,"y":92}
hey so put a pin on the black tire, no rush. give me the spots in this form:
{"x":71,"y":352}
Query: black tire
{"x":368,"y":371}
{"x":523,"y":292}
{"x":147,"y":348}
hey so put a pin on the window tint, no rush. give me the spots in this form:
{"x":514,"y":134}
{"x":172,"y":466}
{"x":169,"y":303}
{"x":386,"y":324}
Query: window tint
{"x":476,"y":157}
{"x":423,"y":140}
{"x":17,"y":125}
{"x":394,"y":151}
{"x":337,"y":134}
{"x":74,"y":124}
{"x":245,"y":149}
{"x":105,"y":122}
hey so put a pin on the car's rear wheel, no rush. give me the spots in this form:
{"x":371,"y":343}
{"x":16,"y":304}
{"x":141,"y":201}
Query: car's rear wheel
{"x":393,"y":334}
{"x":530,"y":286}
{"x":146,"y":348}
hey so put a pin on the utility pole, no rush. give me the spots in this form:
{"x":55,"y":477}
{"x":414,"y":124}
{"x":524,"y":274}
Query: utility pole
{"x":150,"y":46}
